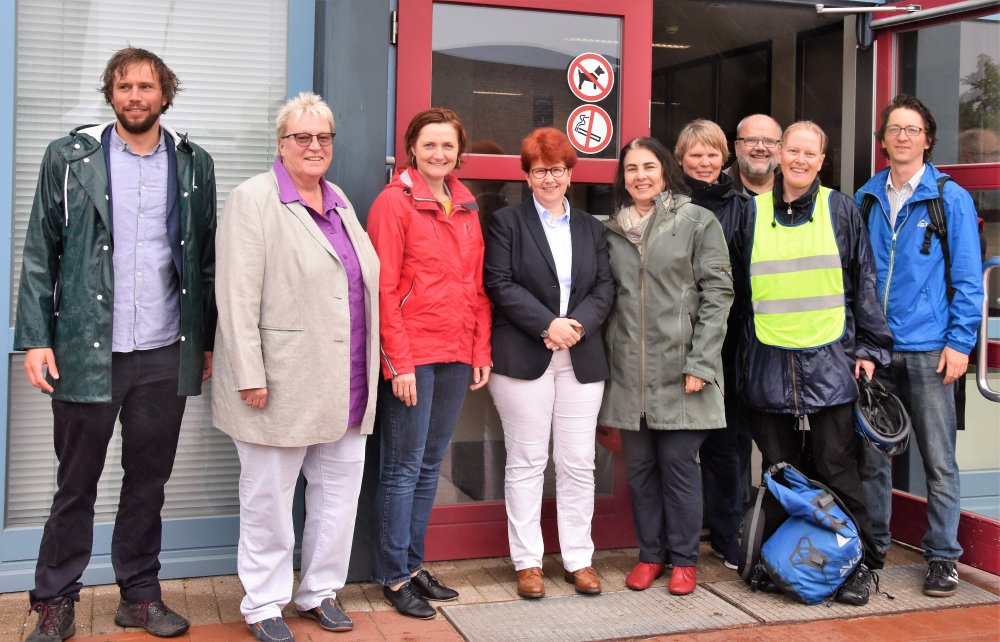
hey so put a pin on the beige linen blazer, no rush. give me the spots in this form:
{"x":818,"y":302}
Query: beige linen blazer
{"x":284,"y":320}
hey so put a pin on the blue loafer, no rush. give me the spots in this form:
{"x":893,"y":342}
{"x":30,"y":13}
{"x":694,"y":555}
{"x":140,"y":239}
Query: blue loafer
{"x":272,"y":630}
{"x":330,"y":616}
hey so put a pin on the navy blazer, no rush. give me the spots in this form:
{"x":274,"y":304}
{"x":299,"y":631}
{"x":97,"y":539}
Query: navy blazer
{"x":520,"y":278}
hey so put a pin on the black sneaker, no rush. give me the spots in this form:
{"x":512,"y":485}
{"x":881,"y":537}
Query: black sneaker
{"x":56,"y":620}
{"x":856,"y":589}
{"x":430,"y":589}
{"x":154,"y":617}
{"x":942,"y":579}
{"x":271,"y":630}
{"x":408,"y":602}
{"x":330,"y":616}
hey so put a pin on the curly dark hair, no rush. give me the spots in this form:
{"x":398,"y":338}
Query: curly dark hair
{"x":906,"y":101}
{"x":125,"y":58}
{"x":673,"y":177}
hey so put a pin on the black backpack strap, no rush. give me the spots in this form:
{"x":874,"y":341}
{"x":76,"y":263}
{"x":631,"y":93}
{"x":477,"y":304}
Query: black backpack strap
{"x":867,"y":203}
{"x":938,"y":226}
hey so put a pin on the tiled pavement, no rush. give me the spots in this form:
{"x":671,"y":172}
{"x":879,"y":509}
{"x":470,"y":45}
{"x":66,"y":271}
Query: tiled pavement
{"x":212,"y":606}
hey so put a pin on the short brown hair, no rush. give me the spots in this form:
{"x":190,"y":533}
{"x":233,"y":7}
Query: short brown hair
{"x":701,"y":131}
{"x":808,"y":126}
{"x":549,"y":145}
{"x":906,"y":101}
{"x":125,"y":58}
{"x":430,"y":117}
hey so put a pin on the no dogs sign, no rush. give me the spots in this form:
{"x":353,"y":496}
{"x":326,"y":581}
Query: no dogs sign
{"x":590,"y":77}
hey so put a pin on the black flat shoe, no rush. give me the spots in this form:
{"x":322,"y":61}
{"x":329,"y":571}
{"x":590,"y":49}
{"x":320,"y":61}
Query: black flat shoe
{"x":408,"y":602}
{"x":428,"y":587}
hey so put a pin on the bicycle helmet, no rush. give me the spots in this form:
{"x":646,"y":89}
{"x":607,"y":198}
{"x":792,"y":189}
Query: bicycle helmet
{"x":880,"y":418}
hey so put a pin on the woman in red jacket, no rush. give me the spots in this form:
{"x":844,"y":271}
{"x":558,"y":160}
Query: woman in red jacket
{"x":435,"y":329}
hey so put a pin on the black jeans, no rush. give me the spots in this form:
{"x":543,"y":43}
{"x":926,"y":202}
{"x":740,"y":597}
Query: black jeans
{"x":665,"y":483}
{"x":723,"y":478}
{"x":144,"y":394}
{"x":836,"y":458}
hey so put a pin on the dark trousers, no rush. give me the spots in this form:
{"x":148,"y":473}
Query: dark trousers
{"x":665,"y":483}
{"x":836,"y":459}
{"x":144,"y":394}
{"x":723,"y":479}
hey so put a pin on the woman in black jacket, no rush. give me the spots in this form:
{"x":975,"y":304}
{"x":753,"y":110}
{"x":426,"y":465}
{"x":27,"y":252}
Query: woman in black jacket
{"x":702,"y":151}
{"x":547,"y":273}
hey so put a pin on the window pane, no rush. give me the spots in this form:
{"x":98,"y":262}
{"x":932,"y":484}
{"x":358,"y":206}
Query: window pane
{"x":228,"y":54}
{"x":230,"y":58}
{"x":955,"y":69}
{"x":504,"y":71}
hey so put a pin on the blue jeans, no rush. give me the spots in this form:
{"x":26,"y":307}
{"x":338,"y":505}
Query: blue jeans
{"x":932,"y":414}
{"x":413,"y":443}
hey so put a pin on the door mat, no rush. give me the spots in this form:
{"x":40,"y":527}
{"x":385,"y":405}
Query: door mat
{"x":904,"y":583}
{"x":578,"y":618}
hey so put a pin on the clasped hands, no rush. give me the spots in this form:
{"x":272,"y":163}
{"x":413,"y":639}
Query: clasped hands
{"x":563,"y":334}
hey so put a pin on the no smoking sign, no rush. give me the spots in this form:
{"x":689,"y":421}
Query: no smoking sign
{"x":589,"y":129}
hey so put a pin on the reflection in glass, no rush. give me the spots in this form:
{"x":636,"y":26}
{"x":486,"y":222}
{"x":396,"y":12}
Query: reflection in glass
{"x":504,"y":71}
{"x":955,"y":69}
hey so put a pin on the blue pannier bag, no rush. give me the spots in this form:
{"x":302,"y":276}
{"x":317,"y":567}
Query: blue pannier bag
{"x":818,"y":546}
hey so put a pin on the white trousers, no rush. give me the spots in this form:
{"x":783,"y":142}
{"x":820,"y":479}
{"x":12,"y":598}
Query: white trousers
{"x":267,"y":484}
{"x":555,"y":404}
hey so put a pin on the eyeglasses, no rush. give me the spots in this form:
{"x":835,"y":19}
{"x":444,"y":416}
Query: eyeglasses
{"x":540,"y":172}
{"x":911,"y":131}
{"x":305,"y":140}
{"x":769,"y":143}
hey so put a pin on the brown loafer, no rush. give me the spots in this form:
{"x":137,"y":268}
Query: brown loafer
{"x":531,"y":583}
{"x":585,"y":580}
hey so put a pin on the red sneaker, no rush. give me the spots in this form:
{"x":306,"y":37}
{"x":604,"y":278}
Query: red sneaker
{"x":642,"y":576}
{"x":683,"y":580}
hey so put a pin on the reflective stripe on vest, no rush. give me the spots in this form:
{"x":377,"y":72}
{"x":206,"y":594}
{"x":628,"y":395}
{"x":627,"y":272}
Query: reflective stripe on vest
{"x":796,"y":278}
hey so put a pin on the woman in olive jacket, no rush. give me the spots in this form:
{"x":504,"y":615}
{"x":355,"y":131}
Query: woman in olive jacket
{"x":674,"y":288}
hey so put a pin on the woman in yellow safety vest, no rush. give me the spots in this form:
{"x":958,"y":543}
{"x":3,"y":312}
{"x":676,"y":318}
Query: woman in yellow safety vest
{"x":814,"y":324}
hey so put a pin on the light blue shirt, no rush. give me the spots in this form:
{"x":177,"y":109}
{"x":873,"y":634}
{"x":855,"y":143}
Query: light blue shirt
{"x":147,"y":299}
{"x":561,"y":244}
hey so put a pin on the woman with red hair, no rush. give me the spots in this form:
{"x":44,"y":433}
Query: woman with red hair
{"x":547,"y":273}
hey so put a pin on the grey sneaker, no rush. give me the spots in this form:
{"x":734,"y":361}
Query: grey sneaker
{"x":942,"y":579}
{"x":155,"y":617}
{"x":329,"y":616}
{"x":56,"y":620}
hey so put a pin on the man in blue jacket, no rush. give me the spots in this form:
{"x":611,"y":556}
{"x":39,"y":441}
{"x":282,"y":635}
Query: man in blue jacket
{"x":116,"y":315}
{"x":934,"y":329}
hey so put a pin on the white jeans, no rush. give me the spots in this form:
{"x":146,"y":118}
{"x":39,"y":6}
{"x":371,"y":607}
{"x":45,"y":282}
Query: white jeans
{"x":267,"y":484}
{"x":557,"y":404}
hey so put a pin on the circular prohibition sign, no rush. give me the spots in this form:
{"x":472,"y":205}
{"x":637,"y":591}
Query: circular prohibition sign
{"x":589,"y":129}
{"x":590,"y":77}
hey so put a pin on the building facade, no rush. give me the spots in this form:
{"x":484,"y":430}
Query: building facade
{"x":506,"y":66}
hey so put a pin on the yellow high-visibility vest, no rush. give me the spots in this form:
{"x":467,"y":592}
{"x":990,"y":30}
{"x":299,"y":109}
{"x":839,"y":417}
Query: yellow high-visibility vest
{"x":796,"y":278}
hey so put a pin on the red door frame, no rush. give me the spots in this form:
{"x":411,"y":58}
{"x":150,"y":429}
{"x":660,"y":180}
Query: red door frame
{"x":978,"y":535}
{"x":464,"y":531}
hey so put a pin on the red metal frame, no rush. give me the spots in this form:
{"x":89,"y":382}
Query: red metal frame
{"x":463,"y":531}
{"x":413,"y":78}
{"x":977,"y":534}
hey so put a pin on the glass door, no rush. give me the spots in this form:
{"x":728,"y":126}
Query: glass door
{"x":508,"y":67}
{"x":952,"y":63}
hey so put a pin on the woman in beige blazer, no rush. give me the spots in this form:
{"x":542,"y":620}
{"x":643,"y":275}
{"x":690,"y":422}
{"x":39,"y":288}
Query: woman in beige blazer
{"x":296,"y":366}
